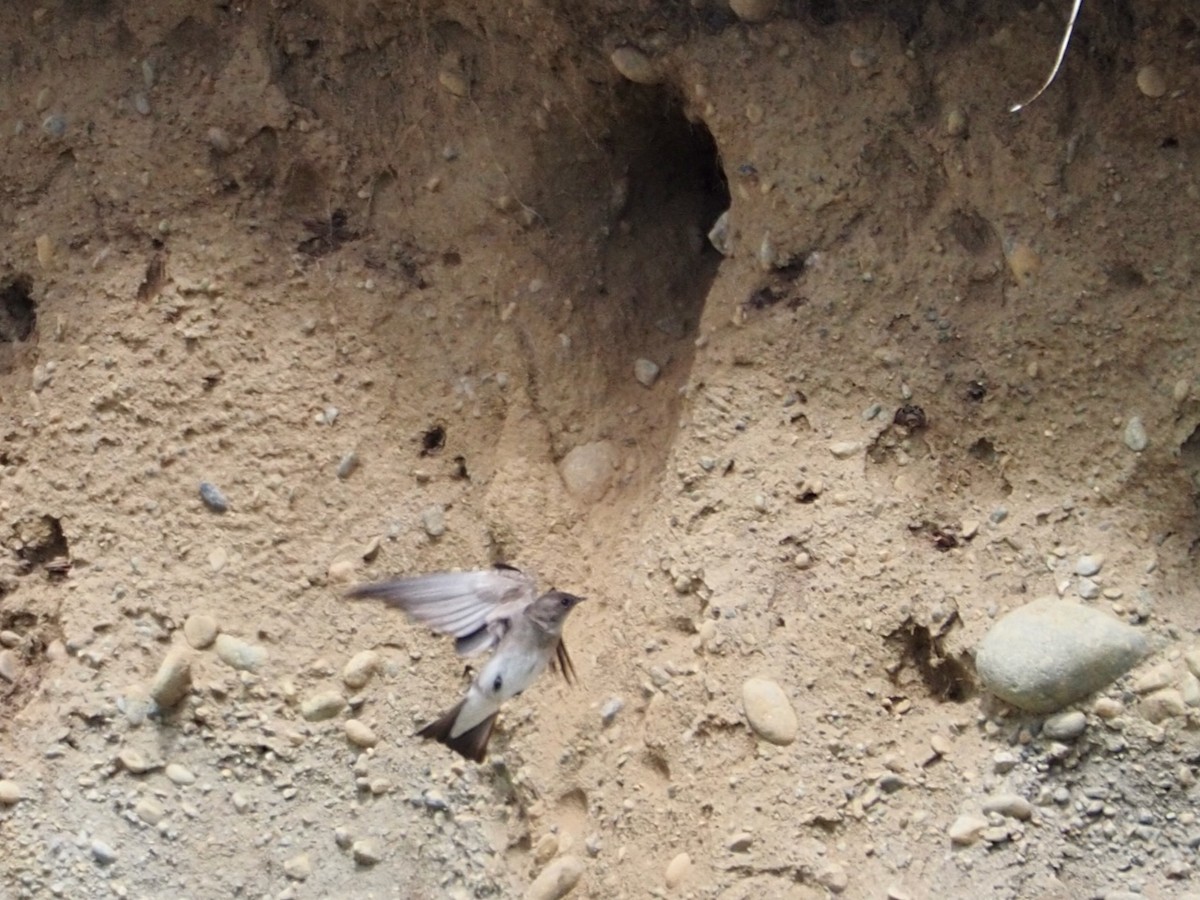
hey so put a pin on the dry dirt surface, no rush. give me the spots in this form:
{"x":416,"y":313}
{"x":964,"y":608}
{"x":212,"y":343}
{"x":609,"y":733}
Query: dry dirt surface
{"x":371,"y":272}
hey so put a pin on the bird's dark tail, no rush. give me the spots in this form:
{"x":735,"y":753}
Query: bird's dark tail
{"x":471,"y":744}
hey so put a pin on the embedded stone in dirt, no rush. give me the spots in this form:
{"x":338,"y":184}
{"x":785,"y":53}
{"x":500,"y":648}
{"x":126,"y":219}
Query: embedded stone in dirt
{"x":240,"y":654}
{"x":753,"y":10}
{"x":645,"y":371}
{"x":360,"y":668}
{"x":677,"y":870}
{"x":173,"y":680}
{"x":967,"y":829}
{"x":635,"y":65}
{"x":359,"y":733}
{"x":200,"y":630}
{"x":587,"y":470}
{"x":10,"y":792}
{"x":367,"y":851}
{"x":556,"y":880}
{"x":769,"y":711}
{"x":1050,"y":653}
{"x":322,"y":705}
{"x":213,"y":498}
{"x":10,"y":666}
{"x":1065,"y":726}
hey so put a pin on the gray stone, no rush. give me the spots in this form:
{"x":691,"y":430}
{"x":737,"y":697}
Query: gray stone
{"x":1087,"y":589}
{"x":103,"y":853}
{"x":1050,"y":653}
{"x":556,"y":880}
{"x":1065,"y":726}
{"x":322,"y":705}
{"x":298,"y":867}
{"x":213,"y":498}
{"x":967,"y":829}
{"x":646,"y":372}
{"x":1164,"y":704}
{"x":769,"y":711}
{"x":1135,"y":435}
{"x":587,"y":470}
{"x":240,"y":654}
{"x":367,"y":851}
{"x":200,"y":630}
{"x":1087,"y":566}
{"x":173,"y":680}
{"x":10,"y":666}
{"x":1012,"y":805}
{"x":608,"y":712}
{"x":433,"y":520}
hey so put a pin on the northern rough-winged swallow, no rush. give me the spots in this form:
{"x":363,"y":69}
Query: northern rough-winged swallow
{"x":497,"y":608}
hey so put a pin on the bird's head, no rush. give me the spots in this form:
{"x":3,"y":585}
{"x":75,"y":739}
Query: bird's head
{"x":551,"y":609}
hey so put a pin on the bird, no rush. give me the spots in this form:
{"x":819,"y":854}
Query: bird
{"x":497,"y":609}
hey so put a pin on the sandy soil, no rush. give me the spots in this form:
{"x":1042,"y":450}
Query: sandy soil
{"x":240,"y":243}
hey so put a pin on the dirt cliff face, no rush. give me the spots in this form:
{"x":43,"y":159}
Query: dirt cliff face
{"x":375,"y":273}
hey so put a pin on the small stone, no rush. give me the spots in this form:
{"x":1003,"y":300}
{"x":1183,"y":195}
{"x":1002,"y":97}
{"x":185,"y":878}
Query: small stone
{"x":1189,"y":689}
{"x":1024,"y":263}
{"x":213,"y":498}
{"x":1161,"y":705}
{"x":1004,"y":762}
{"x":200,"y":630}
{"x":136,"y":762}
{"x":367,"y":851}
{"x":967,"y":829}
{"x":608,"y":712}
{"x":844,"y":449}
{"x":718,"y":235}
{"x":1192,"y":658}
{"x":1108,"y":708}
{"x":346,"y":465}
{"x":10,"y":666}
{"x":753,"y":11}
{"x":1087,"y":566}
{"x":1065,"y":726}
{"x":545,"y":849}
{"x":341,"y":571}
{"x":588,"y":469}
{"x":833,"y":876}
{"x":433,"y":520}
{"x":150,"y":810}
{"x":360,"y":668}
{"x":219,"y":140}
{"x":769,"y":711}
{"x":956,"y":123}
{"x":1151,"y":82}
{"x":635,"y":65}
{"x":556,"y":880}
{"x":343,"y":838}
{"x":44,"y":245}
{"x":358,"y":733}
{"x":1154,"y":679}
{"x":10,"y":792}
{"x":55,"y":125}
{"x":996,"y":834}
{"x":322,"y":705}
{"x":298,"y":867}
{"x":1087,"y":589}
{"x":141,"y":103}
{"x":740,"y":842}
{"x":1012,"y":805}
{"x":645,"y":371}
{"x":1135,"y":435}
{"x":173,"y":679}
{"x":218,"y":558}
{"x":180,"y":775}
{"x":103,"y":853}
{"x":239,"y":654}
{"x":677,"y":869}
{"x":9,"y":638}
{"x":1049,"y":653}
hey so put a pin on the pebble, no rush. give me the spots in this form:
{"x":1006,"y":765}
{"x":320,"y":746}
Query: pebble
{"x":103,"y":853}
{"x":1012,"y":805}
{"x":833,"y":876}
{"x":141,"y":103}
{"x":1087,"y":589}
{"x":1151,"y":82}
{"x":219,"y":140}
{"x":360,"y":668}
{"x":556,"y":880}
{"x":1135,"y":435}
{"x":1154,"y":679}
{"x":844,"y":449}
{"x":967,"y":829}
{"x":608,"y":712}
{"x":1065,"y":726}
{"x":956,"y":122}
{"x":635,"y":65}
{"x":545,"y":849}
{"x":150,"y":811}
{"x":9,"y":638}
{"x":1165,"y":704}
{"x":347,"y":464}
{"x":718,"y":235}
{"x":587,"y":470}
{"x":358,"y":733}
{"x":753,"y":10}
{"x":677,"y":869}
{"x":55,"y":125}
{"x":239,"y":654}
{"x":298,"y":867}
{"x":1108,"y":708}
{"x":341,"y":571}
{"x":213,"y":498}
{"x":1189,"y":689}
{"x":200,"y":630}
{"x":1050,"y":653}
{"x":322,"y":705}
{"x":44,"y":245}
{"x":433,"y":520}
{"x":1004,"y":762}
{"x":1087,"y":566}
{"x":1192,"y":658}
{"x":180,"y":775}
{"x":135,"y":762}
{"x":218,"y":558}
{"x":645,"y":371}
{"x":173,"y":679}
{"x":10,"y":666}
{"x":367,"y":851}
{"x":769,"y":711}
{"x":10,"y":792}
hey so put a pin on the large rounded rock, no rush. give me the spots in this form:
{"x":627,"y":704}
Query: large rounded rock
{"x":1050,"y":653}
{"x":769,"y":711}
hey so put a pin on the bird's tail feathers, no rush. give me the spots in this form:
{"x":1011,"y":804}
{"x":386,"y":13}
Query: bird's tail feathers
{"x":471,"y":744}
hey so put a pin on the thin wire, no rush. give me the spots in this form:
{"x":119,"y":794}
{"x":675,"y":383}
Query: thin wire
{"x":1062,"y":52}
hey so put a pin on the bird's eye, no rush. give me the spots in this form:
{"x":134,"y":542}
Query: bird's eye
{"x":566,"y":601}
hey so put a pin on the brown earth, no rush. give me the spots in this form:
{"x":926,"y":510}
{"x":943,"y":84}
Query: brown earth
{"x":241,"y":242}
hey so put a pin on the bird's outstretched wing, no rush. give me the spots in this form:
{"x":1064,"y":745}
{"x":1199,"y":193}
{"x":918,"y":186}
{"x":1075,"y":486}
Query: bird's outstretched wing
{"x":471,"y":606}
